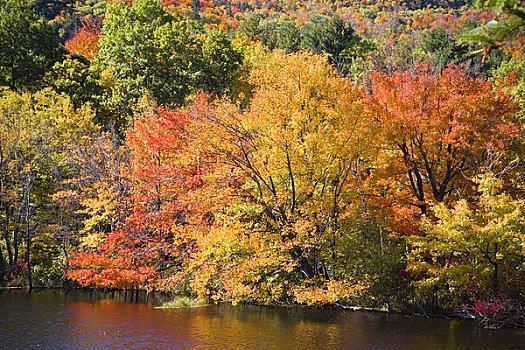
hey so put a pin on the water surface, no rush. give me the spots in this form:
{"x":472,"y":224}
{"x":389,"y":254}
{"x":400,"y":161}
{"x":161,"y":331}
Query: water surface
{"x":56,"y":320}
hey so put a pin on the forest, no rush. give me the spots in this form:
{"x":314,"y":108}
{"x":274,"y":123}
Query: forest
{"x":323,"y":153}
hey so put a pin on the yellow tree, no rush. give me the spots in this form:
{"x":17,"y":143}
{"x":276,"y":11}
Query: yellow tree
{"x":298,"y":146}
{"x":473,"y":250}
{"x":35,"y":131}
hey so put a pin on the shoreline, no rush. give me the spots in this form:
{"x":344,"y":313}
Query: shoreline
{"x":163,"y":301}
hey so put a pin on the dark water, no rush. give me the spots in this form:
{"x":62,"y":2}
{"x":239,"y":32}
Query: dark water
{"x":46,"y":320}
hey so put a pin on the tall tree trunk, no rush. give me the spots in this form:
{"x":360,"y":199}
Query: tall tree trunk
{"x":16,"y":243}
{"x":28,"y":232}
{"x":28,"y":259}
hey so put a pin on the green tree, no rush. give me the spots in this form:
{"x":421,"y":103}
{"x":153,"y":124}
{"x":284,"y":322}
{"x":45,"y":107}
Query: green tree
{"x":515,"y":66}
{"x":145,"y":48}
{"x":439,"y":47}
{"x":336,"y":38}
{"x":496,"y":32}
{"x":29,"y":45}
{"x":75,"y":78}
{"x":281,"y":34}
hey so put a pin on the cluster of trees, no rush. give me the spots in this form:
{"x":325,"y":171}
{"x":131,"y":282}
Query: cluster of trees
{"x":265,"y":153}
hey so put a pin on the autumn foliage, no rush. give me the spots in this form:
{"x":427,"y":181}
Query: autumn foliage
{"x":440,"y":131}
{"x":312,"y":152}
{"x":85,"y":40}
{"x":262,"y":203}
{"x":164,"y":174}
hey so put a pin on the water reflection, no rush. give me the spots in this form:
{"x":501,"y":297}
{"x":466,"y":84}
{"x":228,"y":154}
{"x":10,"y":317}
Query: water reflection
{"x":47,"y":320}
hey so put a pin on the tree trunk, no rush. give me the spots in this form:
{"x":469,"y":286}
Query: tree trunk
{"x":303,"y":264}
{"x":66,"y":268}
{"x":11,"y":261}
{"x":495,"y":275}
{"x":495,"y":280}
{"x":2,"y":267}
{"x":7,"y":238}
{"x":28,"y":232}
{"x":28,"y":259}
{"x":16,"y":243}
{"x":196,"y":10}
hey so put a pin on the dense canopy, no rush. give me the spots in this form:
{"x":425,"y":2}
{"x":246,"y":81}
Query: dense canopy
{"x":311,"y":152}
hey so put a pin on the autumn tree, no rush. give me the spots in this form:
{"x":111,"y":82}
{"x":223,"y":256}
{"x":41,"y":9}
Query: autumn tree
{"x":151,"y":244}
{"x":35,"y":131}
{"x":474,"y":250}
{"x":298,"y":147}
{"x":85,"y":40}
{"x":441,"y":129}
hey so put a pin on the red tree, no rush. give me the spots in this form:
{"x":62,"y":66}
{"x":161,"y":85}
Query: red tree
{"x":166,"y":176}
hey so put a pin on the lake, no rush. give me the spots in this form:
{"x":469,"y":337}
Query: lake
{"x":83,"y":320}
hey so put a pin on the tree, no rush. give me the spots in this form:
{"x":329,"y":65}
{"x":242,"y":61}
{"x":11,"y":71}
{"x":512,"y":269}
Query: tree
{"x":496,"y":32}
{"x":281,"y":34}
{"x":441,"y":129}
{"x":85,"y":40}
{"x":29,"y":46}
{"x":75,"y":78}
{"x":152,"y":244}
{"x":473,"y":250}
{"x":35,"y":130}
{"x":439,"y":47}
{"x":145,"y":48}
{"x":298,"y":147}
{"x":336,"y":38}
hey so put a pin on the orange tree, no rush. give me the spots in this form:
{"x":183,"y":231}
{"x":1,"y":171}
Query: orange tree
{"x":438,"y":131}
